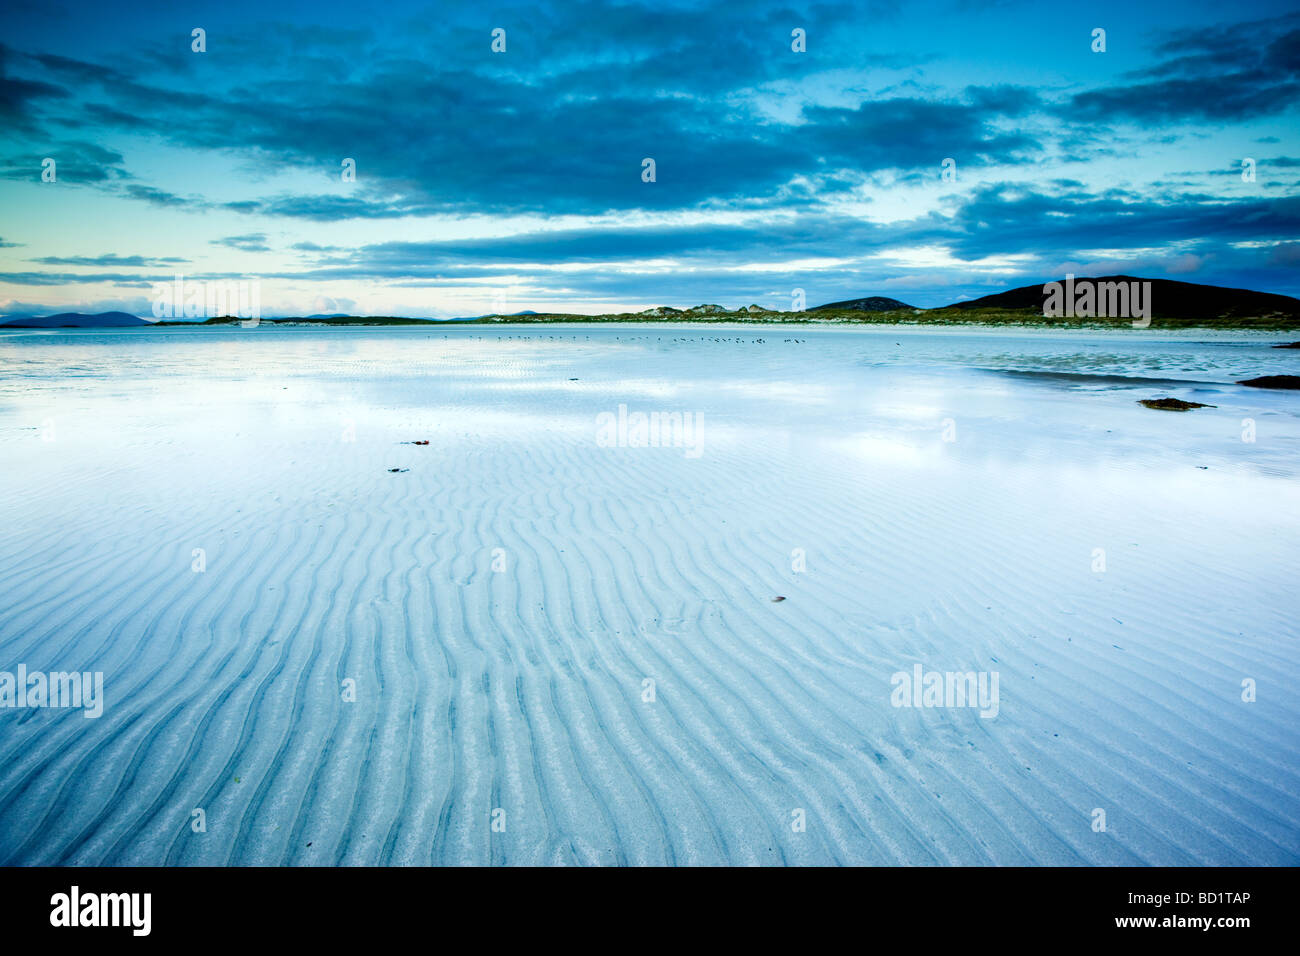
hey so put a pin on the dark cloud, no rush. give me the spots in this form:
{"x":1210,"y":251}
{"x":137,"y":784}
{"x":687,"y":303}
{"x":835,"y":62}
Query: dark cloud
{"x":63,"y":278}
{"x":1227,"y":74}
{"x":109,"y":259}
{"x":20,"y":99}
{"x":253,"y":242}
{"x":560,"y":124}
{"x":1045,"y":227}
{"x":78,"y":162}
{"x":158,"y":197}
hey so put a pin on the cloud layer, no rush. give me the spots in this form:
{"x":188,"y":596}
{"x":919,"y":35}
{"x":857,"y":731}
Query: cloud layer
{"x":774,"y":167}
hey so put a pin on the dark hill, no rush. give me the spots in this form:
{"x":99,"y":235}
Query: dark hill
{"x":1169,"y":299}
{"x":875,"y":303}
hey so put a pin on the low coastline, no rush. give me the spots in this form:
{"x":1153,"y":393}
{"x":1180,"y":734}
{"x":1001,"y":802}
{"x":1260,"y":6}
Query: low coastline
{"x":962,"y":320}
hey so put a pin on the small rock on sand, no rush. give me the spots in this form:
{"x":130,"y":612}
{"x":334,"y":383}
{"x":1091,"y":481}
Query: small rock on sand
{"x":1172,"y":404}
{"x":1273,"y":381}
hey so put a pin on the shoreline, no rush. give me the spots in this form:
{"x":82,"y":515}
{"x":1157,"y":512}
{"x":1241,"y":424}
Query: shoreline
{"x":1217,"y":330}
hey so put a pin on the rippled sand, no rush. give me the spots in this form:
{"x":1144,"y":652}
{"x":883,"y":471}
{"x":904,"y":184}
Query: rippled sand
{"x":338,"y":663}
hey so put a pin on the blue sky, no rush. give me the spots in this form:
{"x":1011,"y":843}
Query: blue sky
{"x":504,"y":181}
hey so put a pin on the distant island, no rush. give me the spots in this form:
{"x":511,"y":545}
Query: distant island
{"x":1171,"y":304}
{"x":79,"y":320}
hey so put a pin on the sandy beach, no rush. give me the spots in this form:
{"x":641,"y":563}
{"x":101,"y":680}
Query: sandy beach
{"x":535,"y":640}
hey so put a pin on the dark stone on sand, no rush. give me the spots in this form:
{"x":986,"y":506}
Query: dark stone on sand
{"x":1273,"y":381}
{"x":1172,"y":404}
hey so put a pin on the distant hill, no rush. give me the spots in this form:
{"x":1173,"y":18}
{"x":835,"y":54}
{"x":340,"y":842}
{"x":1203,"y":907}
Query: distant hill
{"x":76,"y":320}
{"x":1169,"y":299}
{"x":486,"y":315}
{"x":874,"y":303}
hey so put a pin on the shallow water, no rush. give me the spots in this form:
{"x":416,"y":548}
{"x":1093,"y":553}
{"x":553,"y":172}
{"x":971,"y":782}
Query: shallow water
{"x":501,"y":600}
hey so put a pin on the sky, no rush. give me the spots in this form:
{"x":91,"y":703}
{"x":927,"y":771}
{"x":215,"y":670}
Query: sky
{"x":502,"y":180}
